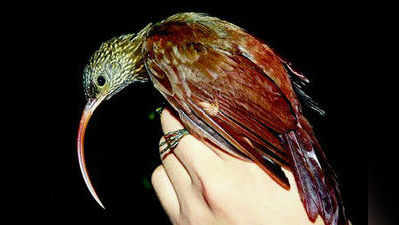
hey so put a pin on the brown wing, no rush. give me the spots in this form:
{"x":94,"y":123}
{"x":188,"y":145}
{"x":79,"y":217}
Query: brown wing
{"x":231,"y":90}
{"x":212,"y":80}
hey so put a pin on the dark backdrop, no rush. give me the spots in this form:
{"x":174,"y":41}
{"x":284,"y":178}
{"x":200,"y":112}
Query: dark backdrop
{"x":121,"y":140}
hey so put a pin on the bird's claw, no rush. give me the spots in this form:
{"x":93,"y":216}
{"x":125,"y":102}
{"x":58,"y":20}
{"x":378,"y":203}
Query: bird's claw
{"x":172,"y":139}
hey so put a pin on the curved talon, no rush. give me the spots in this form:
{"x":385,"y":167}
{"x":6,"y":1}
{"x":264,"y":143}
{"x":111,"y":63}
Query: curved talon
{"x":172,"y":139}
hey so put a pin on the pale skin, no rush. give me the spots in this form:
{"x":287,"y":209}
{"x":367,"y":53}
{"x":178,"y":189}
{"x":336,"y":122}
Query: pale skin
{"x":200,"y":185}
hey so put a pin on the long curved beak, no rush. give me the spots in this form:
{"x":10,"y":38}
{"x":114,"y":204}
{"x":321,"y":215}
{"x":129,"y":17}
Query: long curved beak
{"x":87,"y":112}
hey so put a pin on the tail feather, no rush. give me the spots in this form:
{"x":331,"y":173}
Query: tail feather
{"x":316,"y":181}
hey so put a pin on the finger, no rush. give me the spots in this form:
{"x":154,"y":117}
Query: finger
{"x":166,"y":193}
{"x":177,"y":174}
{"x":195,"y":156}
{"x":187,"y":193}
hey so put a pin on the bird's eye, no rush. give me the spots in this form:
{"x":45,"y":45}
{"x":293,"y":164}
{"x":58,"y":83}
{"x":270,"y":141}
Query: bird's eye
{"x":100,"y":80}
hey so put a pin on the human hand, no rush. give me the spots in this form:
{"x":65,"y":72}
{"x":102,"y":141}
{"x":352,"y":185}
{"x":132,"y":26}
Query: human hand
{"x":200,"y":185}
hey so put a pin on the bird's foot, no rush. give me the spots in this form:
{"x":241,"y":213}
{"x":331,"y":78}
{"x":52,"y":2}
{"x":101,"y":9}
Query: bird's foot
{"x":172,"y":139}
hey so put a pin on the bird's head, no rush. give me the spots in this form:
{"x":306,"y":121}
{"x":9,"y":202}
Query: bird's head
{"x":116,"y":64}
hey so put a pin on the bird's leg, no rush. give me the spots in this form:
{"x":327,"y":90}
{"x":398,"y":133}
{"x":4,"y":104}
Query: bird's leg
{"x":172,"y":140}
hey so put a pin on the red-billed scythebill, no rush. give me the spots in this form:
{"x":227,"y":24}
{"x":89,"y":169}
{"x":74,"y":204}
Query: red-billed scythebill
{"x":229,"y":89}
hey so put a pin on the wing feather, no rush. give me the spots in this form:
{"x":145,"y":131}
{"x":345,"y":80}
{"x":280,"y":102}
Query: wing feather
{"x":233,"y":91}
{"x":223,"y":89}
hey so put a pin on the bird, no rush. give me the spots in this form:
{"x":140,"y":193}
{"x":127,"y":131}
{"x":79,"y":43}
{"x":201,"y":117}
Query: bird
{"x":230,"y":89}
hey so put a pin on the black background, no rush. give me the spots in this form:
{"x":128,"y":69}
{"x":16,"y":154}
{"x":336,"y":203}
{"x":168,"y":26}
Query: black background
{"x":121,"y":141}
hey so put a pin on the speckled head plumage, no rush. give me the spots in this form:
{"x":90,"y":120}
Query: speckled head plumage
{"x":116,"y":64}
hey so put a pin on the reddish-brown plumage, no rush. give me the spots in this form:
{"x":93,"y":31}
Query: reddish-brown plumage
{"x":233,"y":91}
